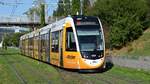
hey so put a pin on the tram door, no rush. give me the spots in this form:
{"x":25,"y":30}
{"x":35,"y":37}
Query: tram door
{"x":70,"y":51}
{"x":54,"y":55}
{"x":61,"y":48}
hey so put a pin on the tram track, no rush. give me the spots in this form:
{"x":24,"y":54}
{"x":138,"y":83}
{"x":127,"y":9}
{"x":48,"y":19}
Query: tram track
{"x":14,"y":70}
{"x":31,"y":70}
{"x":15,"y":63}
{"x":86,"y":78}
{"x":102,"y":77}
{"x":109,"y":79}
{"x":73,"y":76}
{"x":124,"y":78}
{"x":60,"y":73}
{"x":28,"y":71}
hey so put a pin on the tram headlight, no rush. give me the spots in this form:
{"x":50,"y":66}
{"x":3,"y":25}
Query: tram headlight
{"x":84,"y":56}
{"x":101,"y":55}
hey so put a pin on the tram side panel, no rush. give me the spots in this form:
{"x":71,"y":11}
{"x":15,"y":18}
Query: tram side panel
{"x":32,"y":54}
{"x":39,"y":47}
{"x":23,"y":47}
{"x":54,"y":55}
{"x":43,"y":47}
{"x":35,"y":47}
{"x":47,"y":47}
{"x":70,"y":54}
{"x":30,"y":47}
{"x":26,"y":47}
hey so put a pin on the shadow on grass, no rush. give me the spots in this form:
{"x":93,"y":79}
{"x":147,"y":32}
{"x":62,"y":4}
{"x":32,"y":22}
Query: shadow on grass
{"x":108,"y":67}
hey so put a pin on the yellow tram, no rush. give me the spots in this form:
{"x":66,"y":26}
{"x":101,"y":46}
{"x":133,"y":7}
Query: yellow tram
{"x":75,"y":42}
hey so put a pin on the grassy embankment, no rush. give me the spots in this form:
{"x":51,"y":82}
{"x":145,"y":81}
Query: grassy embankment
{"x":17,"y":69}
{"x":139,"y":47}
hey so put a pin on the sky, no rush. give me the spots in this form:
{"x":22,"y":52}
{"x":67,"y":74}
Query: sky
{"x":8,"y":9}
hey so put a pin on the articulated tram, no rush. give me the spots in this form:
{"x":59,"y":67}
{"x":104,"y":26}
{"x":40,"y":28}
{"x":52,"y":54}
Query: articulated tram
{"x":75,"y":42}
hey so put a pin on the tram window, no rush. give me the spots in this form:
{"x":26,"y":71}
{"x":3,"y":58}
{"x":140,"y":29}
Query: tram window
{"x":36,"y":42}
{"x":30,"y":43}
{"x":43,"y":41}
{"x":47,"y":39}
{"x":55,"y":41}
{"x":70,"y":40}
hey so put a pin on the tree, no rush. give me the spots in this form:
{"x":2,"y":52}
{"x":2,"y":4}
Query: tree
{"x":29,"y":14}
{"x":15,"y":39}
{"x":12,"y":40}
{"x":5,"y":41}
{"x":125,"y":18}
{"x":86,"y":7}
{"x":65,"y":7}
{"x":75,"y":7}
{"x":38,"y":11}
{"x":42,"y":14}
{"x":60,"y":10}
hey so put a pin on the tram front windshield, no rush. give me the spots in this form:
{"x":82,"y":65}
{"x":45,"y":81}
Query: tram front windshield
{"x":90,"y":41}
{"x":90,"y":38}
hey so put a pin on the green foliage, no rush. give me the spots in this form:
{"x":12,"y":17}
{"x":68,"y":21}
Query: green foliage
{"x":138,"y":48}
{"x":86,"y":7}
{"x":75,"y":7}
{"x":12,"y":40}
{"x":5,"y":42}
{"x":42,"y":14}
{"x":30,"y":13}
{"x":38,"y":11}
{"x":16,"y":38}
{"x":60,"y":11}
{"x":65,"y":7}
{"x":125,"y":18}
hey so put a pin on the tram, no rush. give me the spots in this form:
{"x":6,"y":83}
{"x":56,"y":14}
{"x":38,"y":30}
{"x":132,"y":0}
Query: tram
{"x":75,"y":42}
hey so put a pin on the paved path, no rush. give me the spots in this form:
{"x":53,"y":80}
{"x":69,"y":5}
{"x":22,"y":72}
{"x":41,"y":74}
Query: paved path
{"x":140,"y":63}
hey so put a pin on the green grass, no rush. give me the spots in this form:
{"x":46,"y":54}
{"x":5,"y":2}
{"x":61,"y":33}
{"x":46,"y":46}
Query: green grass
{"x":32,"y":71}
{"x":139,"y":47}
{"x":35,"y":72}
{"x":131,"y":75}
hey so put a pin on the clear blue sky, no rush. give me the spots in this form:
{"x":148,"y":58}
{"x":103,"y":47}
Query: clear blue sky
{"x":7,"y":9}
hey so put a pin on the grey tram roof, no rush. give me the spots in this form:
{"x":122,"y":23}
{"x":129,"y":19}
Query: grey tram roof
{"x":58,"y":25}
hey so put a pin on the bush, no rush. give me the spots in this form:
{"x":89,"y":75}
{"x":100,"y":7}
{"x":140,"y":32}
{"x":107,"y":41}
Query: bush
{"x":125,"y":18}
